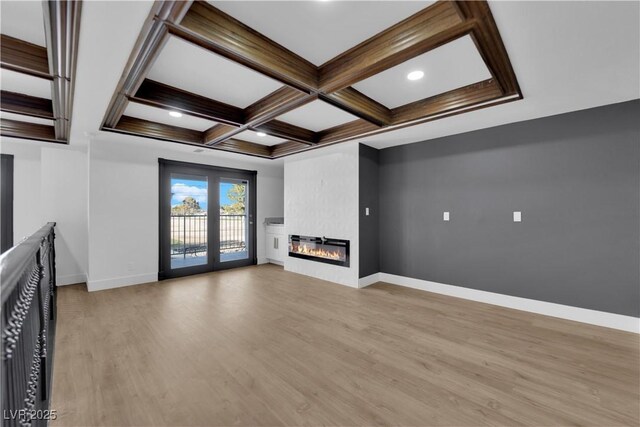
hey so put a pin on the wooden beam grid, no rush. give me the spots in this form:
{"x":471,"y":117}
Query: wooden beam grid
{"x":205,"y":26}
{"x":56,"y":64}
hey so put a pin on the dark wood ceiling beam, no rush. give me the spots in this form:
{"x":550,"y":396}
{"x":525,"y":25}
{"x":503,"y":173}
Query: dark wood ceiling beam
{"x":489,"y":43}
{"x":26,"y":130}
{"x":463,"y":100}
{"x":24,"y":57}
{"x":428,"y":29}
{"x":147,"y":129}
{"x":219,"y":132}
{"x":19,"y":103}
{"x":163,"y":96}
{"x":286,"y":148}
{"x":244,"y":147}
{"x":346,"y":131}
{"x":220,"y":33}
{"x":360,"y":105}
{"x":452,"y":100}
{"x":275,"y":104}
{"x":287,"y":131}
{"x":135,"y":126}
{"x":62,"y":31}
{"x":152,"y":38}
{"x":449,"y":103}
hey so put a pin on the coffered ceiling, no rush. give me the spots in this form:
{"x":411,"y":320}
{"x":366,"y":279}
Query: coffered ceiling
{"x":323,"y":29}
{"x":38,"y":53}
{"x":566,"y":55}
{"x":233,"y":66}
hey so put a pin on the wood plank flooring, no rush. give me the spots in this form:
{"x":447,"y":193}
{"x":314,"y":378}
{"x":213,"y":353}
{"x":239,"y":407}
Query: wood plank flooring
{"x":259,"y":346}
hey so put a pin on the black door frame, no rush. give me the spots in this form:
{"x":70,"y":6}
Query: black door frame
{"x":214,"y":174}
{"x":6,"y":202}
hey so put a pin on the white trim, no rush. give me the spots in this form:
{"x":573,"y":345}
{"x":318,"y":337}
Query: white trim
{"x":593,"y":317}
{"x":273,"y":261}
{"x":118,"y":282}
{"x":363,"y":282}
{"x":71,"y":279}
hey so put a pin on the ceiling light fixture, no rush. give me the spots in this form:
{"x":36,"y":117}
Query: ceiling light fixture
{"x":415,"y":75}
{"x":175,"y":114}
{"x":261,"y":134}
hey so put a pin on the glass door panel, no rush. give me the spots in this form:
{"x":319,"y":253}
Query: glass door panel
{"x":234,"y":219}
{"x":189,"y":220}
{"x":207,"y":218}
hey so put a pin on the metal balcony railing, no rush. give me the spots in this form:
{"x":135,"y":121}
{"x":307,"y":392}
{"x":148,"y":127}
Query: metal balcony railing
{"x":189,"y":234}
{"x":28,"y":291}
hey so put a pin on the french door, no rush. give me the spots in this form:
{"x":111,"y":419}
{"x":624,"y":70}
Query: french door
{"x":207,"y":218}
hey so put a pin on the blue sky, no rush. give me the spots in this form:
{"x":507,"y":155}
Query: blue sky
{"x":224,"y":190}
{"x":181,"y":188}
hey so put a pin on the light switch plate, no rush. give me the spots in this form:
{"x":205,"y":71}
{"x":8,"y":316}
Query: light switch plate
{"x":366,"y":211}
{"x":445,"y":216}
{"x":517,"y":216}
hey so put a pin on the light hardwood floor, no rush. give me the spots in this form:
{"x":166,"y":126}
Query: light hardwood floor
{"x":260,"y":346}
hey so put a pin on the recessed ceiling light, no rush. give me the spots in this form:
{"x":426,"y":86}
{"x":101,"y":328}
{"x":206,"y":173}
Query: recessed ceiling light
{"x":415,"y":75}
{"x":261,"y":134}
{"x":175,"y":114}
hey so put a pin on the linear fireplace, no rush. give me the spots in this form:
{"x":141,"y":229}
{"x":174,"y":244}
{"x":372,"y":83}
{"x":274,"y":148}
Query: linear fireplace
{"x":320,"y":249}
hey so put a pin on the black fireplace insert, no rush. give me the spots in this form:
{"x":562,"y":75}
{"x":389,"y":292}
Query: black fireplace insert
{"x":320,"y":249}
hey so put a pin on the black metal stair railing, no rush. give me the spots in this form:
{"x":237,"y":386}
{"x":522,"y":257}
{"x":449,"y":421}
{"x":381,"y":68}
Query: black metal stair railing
{"x":28,"y":293}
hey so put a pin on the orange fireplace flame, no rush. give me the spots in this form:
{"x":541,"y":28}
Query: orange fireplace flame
{"x":321,"y":253}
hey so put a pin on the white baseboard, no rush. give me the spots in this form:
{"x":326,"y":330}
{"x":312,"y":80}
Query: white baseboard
{"x":71,"y":279}
{"x":584,"y":315}
{"x":118,"y":282}
{"x":363,"y":282}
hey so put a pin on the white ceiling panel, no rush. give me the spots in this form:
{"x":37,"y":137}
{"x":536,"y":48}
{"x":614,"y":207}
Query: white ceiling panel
{"x":160,"y":115}
{"x":21,"y":118}
{"x":23,"y":20}
{"x":448,"y":67}
{"x":320,"y":30}
{"x":189,"y":67}
{"x":316,"y":116}
{"x":24,"y":83}
{"x":251,"y":136}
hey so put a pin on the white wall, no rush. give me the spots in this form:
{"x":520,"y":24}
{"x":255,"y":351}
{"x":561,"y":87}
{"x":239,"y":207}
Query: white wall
{"x":103,"y":195}
{"x":64,"y":200}
{"x":123,"y":205}
{"x":321,"y":199}
{"x":50,"y":185}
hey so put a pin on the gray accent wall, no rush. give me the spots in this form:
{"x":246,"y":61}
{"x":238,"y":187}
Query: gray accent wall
{"x":368,"y":198}
{"x":576,"y":179}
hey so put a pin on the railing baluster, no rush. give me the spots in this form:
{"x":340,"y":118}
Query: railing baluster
{"x":27,"y":285}
{"x":193,"y":230}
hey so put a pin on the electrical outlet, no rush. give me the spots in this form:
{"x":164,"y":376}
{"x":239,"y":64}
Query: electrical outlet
{"x":445,"y":216}
{"x":366,"y":211}
{"x":517,"y":216}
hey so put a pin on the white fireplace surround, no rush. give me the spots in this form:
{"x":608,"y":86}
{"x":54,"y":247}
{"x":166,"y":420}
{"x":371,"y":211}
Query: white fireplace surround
{"x":321,"y":199}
